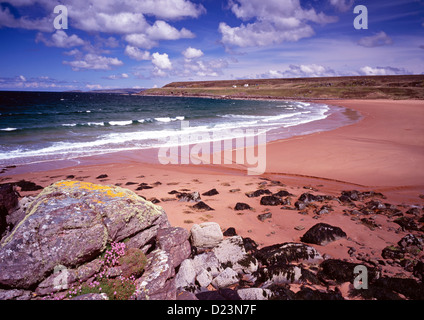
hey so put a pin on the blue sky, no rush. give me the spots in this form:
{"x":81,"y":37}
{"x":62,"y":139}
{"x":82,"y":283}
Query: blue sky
{"x":148,"y":43}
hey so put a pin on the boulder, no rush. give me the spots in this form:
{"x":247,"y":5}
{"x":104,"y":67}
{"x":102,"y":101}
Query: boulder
{"x":211,"y":192}
{"x":258,"y":193}
{"x":8,"y":202}
{"x":201,"y":206}
{"x":322,"y":233}
{"x":70,"y":223}
{"x":189,"y":197}
{"x":175,"y":241}
{"x":263,"y":216}
{"x":254,"y":294}
{"x":288,"y":252}
{"x":278,"y":274}
{"x":206,"y":235}
{"x":225,"y":278}
{"x":343,"y":271}
{"x":156,"y":283}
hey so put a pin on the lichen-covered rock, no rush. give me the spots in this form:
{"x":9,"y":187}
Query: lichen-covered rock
{"x":323,"y":233}
{"x":69,"y":223}
{"x":175,"y":241}
{"x":279,"y":274}
{"x":156,"y":283}
{"x":288,"y":252}
{"x":225,"y":278}
{"x":254,"y":294}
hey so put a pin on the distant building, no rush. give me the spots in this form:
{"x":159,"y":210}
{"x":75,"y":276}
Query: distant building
{"x":234,"y":86}
{"x":246,"y":85}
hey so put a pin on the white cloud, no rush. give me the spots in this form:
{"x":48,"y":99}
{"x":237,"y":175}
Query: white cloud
{"x":192,"y":53}
{"x":161,"y":30}
{"x":377,"y":40}
{"x":136,"y":54}
{"x":274,"y":22}
{"x":22,"y":78}
{"x":140,"y":40}
{"x":382,"y":71}
{"x":7,"y":19}
{"x":342,"y":5}
{"x":301,"y":71}
{"x":117,"y":76}
{"x":60,"y":39}
{"x":161,"y":61}
{"x":94,"y":62}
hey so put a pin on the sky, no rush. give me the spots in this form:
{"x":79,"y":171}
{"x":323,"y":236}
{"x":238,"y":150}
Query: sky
{"x":88,"y":44}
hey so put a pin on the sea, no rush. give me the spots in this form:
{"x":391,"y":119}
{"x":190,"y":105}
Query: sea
{"x":48,"y":126}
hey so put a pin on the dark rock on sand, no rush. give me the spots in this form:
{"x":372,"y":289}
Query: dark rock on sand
{"x":282,"y":193}
{"x":220,"y":294}
{"x":271,"y":201}
{"x":258,"y":193}
{"x":28,"y":185}
{"x":230,"y":232}
{"x":392,"y":252}
{"x":342,"y":271}
{"x":262,"y":217}
{"x":411,"y":240}
{"x":188,"y":197}
{"x":406,"y":223}
{"x":322,"y":234}
{"x":102,"y":176}
{"x":242,"y":206}
{"x":201,"y":206}
{"x":387,"y":288}
{"x":288,"y":252}
{"x":211,"y":192}
{"x":309,"y":294}
{"x":143,"y":186}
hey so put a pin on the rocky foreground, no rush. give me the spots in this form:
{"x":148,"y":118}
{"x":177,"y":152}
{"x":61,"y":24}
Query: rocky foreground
{"x":80,"y":240}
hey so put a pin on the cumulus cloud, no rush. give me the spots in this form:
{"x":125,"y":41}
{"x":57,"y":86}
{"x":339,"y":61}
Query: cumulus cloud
{"x":342,"y":5}
{"x":117,"y":76}
{"x":60,"y":39}
{"x":7,"y":19}
{"x":202,"y":68}
{"x":274,"y":22}
{"x":94,"y":62}
{"x":377,"y":40}
{"x":136,"y":53}
{"x":161,"y":61}
{"x":192,"y":53}
{"x":382,"y":71}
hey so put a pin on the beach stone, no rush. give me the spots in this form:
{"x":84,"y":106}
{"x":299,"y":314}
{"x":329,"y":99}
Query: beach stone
{"x":271,"y":201}
{"x":225,"y":278}
{"x":258,"y":193}
{"x":206,"y":235}
{"x":201,"y":206}
{"x":392,"y":252}
{"x":406,"y":223}
{"x":322,"y":234}
{"x":279,"y":274}
{"x":309,"y":198}
{"x":204,"y":278}
{"x":188,"y":197}
{"x":230,"y":232}
{"x":102,"y":176}
{"x":343,"y":271}
{"x":70,"y":223}
{"x":282,"y":193}
{"x":28,"y":185}
{"x":242,"y":206}
{"x":186,"y":275}
{"x":220,"y":294}
{"x":288,"y":252}
{"x":211,"y":192}
{"x":254,"y":294}
{"x":309,"y":294}
{"x":208,"y":261}
{"x":411,"y":240}
{"x":262,"y":217}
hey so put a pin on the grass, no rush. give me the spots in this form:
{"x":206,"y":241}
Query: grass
{"x":359,"y":87}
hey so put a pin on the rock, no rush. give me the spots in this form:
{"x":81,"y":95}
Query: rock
{"x":242,"y":206}
{"x":322,"y":234}
{"x":92,"y":296}
{"x":254,"y":294}
{"x":418,"y":270}
{"x":406,"y":223}
{"x":143,"y":186}
{"x":28,"y":185}
{"x":271,"y":201}
{"x":207,"y":261}
{"x":186,"y":295}
{"x":206,"y":235}
{"x":309,"y":198}
{"x":186,"y":275}
{"x":15,"y":294}
{"x":189,"y":197}
{"x":258,"y":193}
{"x":175,"y":241}
{"x":220,"y":294}
{"x":230,"y":232}
{"x":231,"y":252}
{"x":342,"y":271}
{"x":387,"y":288}
{"x":102,"y":176}
{"x":309,"y":294}
{"x":201,"y":206}
{"x":288,"y":252}
{"x":299,"y":205}
{"x":282,"y":193}
{"x":279,"y":274}
{"x":156,"y":282}
{"x":204,"y":278}
{"x":225,"y":278}
{"x":249,"y":244}
{"x":392,"y":252}
{"x":211,"y":192}
{"x":8,"y":202}
{"x":262,"y":217}
{"x":324,"y":210}
{"x":69,"y":223}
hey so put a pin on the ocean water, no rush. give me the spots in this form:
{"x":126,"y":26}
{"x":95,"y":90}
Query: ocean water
{"x":43,"y":126}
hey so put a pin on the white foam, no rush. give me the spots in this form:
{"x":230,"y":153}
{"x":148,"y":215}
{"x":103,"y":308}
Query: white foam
{"x":9,"y":129}
{"x":120,"y":123}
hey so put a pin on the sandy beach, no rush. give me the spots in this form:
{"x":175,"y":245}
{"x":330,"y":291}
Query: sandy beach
{"x":383,"y":152}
